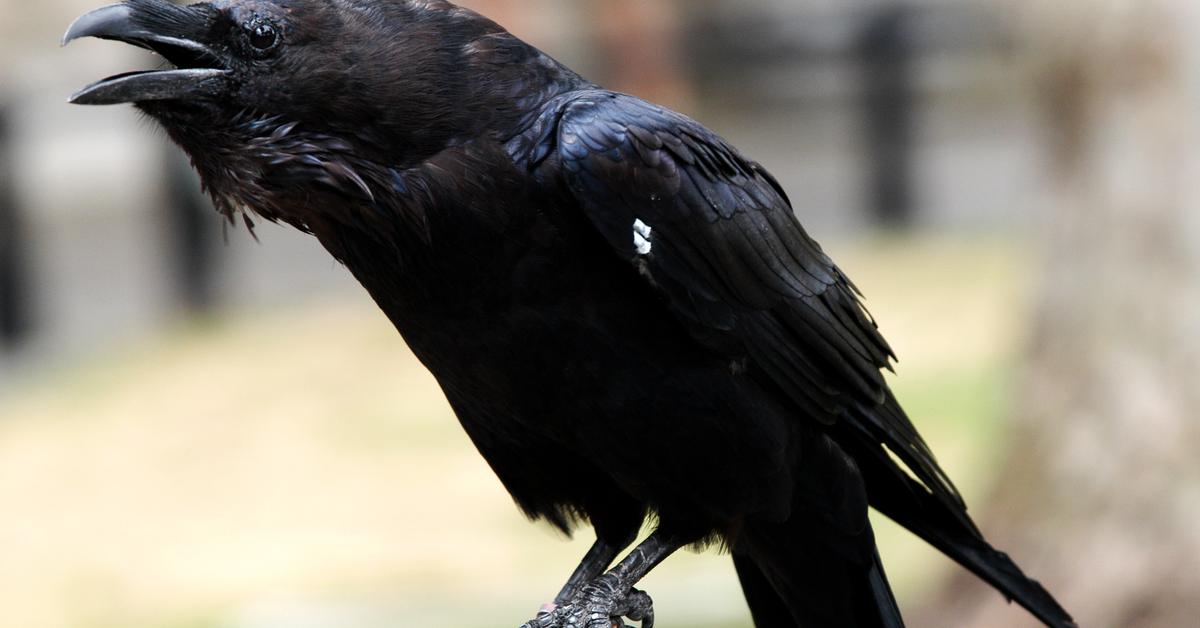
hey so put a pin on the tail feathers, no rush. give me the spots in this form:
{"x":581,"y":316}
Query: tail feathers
{"x":998,"y":570}
{"x":766,"y":607}
{"x":911,"y":505}
{"x":797,"y":575}
{"x":882,"y":592}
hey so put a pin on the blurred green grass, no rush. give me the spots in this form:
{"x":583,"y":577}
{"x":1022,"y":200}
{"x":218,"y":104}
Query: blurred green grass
{"x":300,"y":469}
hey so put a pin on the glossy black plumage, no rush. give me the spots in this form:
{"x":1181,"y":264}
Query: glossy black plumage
{"x":622,"y":309}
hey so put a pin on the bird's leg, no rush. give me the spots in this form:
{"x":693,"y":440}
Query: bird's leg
{"x":597,"y":559}
{"x":606,"y":600}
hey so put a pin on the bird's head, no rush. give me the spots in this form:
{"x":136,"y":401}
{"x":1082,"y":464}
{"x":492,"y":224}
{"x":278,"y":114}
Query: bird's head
{"x":296,"y":82}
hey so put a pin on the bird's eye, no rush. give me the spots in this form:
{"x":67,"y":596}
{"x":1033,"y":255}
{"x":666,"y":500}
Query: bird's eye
{"x":262,"y":35}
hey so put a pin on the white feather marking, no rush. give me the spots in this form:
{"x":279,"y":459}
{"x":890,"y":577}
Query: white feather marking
{"x":642,"y":233}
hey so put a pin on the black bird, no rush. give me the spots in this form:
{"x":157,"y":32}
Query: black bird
{"x":621,"y":308}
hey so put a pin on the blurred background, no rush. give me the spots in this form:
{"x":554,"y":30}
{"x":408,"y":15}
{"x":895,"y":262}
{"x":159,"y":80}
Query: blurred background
{"x":209,"y":432}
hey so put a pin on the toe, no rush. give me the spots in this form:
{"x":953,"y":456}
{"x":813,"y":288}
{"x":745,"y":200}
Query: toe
{"x":638,"y":606}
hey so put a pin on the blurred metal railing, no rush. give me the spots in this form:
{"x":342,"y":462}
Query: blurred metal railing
{"x":867,"y":58}
{"x":886,"y":58}
{"x":15,"y":317}
{"x":192,"y":234}
{"x":868,"y":63}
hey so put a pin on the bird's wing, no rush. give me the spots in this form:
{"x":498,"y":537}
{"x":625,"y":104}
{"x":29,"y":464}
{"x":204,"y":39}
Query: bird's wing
{"x":716,"y":235}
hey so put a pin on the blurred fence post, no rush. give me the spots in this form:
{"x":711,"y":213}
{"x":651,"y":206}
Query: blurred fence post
{"x":193,"y":236}
{"x":1100,"y":500}
{"x":886,"y":55}
{"x":14,"y":285}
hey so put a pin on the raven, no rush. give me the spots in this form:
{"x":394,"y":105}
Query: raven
{"x":621,"y":308}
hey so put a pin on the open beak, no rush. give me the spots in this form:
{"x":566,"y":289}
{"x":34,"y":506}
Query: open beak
{"x":174,"y":32}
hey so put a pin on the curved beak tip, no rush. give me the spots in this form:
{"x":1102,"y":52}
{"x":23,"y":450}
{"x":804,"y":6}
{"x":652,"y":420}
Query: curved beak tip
{"x":123,"y":22}
{"x":106,"y":20}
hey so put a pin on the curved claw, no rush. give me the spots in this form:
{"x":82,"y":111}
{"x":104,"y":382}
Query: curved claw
{"x":639,"y":608}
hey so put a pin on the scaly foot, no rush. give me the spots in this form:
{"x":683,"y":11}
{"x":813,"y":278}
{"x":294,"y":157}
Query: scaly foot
{"x":599,"y":604}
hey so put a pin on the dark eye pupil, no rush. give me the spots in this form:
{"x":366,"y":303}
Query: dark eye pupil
{"x":262,"y":36}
